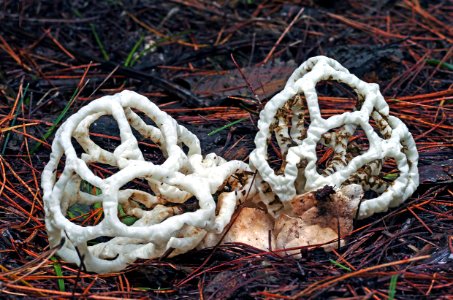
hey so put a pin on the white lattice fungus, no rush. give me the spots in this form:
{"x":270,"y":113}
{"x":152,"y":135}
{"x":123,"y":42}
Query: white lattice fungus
{"x":188,"y":200}
{"x":284,"y":117}
{"x":162,"y":222}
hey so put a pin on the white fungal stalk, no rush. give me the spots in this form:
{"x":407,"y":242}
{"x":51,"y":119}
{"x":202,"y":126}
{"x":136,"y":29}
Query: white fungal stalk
{"x":176,"y":204}
{"x":390,"y":139}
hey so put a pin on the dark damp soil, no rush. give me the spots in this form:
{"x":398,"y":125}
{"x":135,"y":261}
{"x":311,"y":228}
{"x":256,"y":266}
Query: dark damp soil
{"x":56,"y":56}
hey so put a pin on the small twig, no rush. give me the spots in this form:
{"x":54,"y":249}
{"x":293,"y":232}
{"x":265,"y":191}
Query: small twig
{"x":296,"y":18}
{"x":246,"y":81}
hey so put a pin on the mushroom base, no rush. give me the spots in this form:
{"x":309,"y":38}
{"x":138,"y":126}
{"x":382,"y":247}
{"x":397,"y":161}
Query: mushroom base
{"x":322,"y":218}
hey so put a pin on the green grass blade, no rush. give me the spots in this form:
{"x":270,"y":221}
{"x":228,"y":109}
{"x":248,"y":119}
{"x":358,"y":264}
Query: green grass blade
{"x":155,"y":45}
{"x":134,"y":49}
{"x":128,"y":220}
{"x":392,"y":287}
{"x":436,"y":62}
{"x":96,"y":36}
{"x":125,"y":218}
{"x":340,"y":265}
{"x":142,"y":53}
{"x":58,"y":272}
{"x":226,"y":126}
{"x":391,"y":176}
{"x":56,"y":122}
{"x":99,"y":42}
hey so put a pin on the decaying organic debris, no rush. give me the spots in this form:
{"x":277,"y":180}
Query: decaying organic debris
{"x":313,"y":218}
{"x":318,"y":217}
{"x":253,"y":226}
{"x":303,"y":206}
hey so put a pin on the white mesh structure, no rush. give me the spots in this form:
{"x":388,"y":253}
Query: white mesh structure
{"x":188,"y":195}
{"x":161,"y":224}
{"x":389,"y":138}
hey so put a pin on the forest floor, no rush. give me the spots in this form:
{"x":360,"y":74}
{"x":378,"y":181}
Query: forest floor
{"x":185,"y":55}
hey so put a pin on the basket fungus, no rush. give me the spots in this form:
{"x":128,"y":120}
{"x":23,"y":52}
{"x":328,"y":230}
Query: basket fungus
{"x":162,"y":222}
{"x":189,"y":199}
